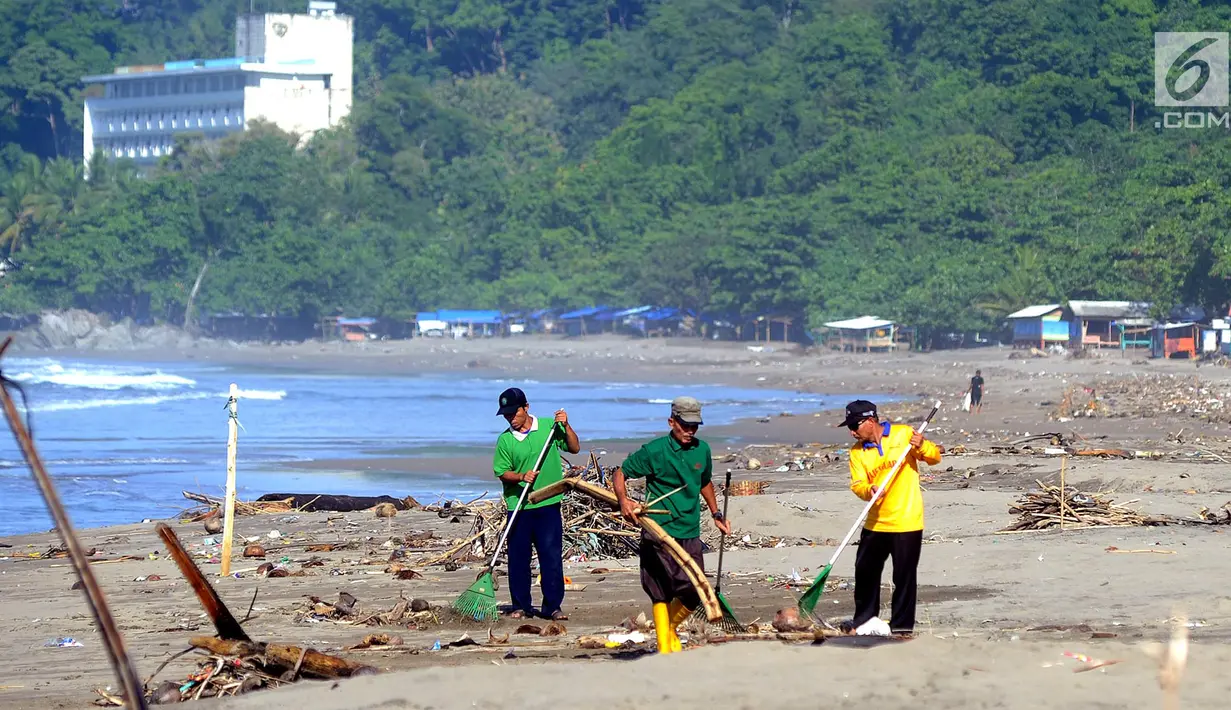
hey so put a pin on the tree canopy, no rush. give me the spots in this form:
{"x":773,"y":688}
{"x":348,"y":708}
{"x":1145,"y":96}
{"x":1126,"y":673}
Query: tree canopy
{"x":939,"y":162}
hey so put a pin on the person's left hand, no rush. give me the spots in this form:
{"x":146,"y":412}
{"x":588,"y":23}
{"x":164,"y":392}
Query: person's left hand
{"x":724,"y":526}
{"x":562,"y":417}
{"x":916,"y":441}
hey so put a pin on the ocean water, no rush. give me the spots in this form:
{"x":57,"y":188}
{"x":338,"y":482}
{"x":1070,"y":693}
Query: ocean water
{"x":123,"y":440}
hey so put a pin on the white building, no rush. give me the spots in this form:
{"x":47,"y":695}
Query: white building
{"x":292,"y":70}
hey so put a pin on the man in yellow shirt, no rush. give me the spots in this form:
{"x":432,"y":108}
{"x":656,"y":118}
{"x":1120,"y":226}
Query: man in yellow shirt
{"x":894,"y":526}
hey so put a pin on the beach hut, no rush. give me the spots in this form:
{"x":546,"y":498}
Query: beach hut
{"x":459,"y":323}
{"x":588,"y":321}
{"x":770,"y":327}
{"x":1100,"y":324}
{"x":1176,"y":340}
{"x":865,"y":333}
{"x":1039,"y":326}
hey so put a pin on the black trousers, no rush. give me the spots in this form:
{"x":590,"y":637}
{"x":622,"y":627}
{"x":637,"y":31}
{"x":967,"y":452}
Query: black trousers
{"x":874,"y":549}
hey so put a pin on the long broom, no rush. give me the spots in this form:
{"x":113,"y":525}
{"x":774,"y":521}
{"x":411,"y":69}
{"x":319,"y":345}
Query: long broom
{"x":479,"y":600}
{"x":728,"y":622}
{"x":808,"y":602}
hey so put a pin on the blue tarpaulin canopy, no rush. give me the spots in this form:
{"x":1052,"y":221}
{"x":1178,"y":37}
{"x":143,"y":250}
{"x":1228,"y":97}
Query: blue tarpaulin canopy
{"x":583,"y":312}
{"x":475,"y":317}
{"x":357,"y":321}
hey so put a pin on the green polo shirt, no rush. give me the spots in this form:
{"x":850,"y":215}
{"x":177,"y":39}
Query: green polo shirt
{"x":519,"y":452}
{"x":665,"y":464}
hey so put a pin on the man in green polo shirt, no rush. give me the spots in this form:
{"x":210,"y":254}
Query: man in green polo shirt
{"x":538,"y":524}
{"x":678,"y":460}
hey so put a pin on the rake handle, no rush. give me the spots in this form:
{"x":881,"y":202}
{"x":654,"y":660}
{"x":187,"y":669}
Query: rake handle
{"x":881,"y":491}
{"x":722,"y":545}
{"x":525,"y":490}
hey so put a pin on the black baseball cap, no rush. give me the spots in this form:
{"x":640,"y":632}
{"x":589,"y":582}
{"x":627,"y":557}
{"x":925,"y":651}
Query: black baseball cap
{"x":511,"y":400}
{"x":857,"y":411}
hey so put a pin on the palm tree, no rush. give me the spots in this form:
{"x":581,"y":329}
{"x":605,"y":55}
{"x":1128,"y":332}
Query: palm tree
{"x":18,"y":210}
{"x":1025,"y":282}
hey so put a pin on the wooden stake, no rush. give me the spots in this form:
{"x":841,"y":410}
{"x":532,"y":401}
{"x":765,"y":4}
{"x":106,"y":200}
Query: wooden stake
{"x":1063,"y":505}
{"x":228,"y":525}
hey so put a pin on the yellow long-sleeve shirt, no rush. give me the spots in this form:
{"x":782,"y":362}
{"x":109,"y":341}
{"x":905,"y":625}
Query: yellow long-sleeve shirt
{"x":900,"y":509}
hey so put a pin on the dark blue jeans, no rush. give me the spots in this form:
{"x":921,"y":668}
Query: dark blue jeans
{"x":544,"y":529}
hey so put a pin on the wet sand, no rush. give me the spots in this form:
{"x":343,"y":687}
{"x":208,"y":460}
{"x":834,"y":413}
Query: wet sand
{"x":997,"y":611}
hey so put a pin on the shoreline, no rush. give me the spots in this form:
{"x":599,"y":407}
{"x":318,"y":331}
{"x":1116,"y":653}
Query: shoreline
{"x":992,"y":605}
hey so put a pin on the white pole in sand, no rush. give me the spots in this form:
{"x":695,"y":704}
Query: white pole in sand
{"x":228,"y":525}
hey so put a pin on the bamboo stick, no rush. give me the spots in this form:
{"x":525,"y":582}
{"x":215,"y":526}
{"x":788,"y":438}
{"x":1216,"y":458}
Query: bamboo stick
{"x":1063,"y":505}
{"x":113,"y":641}
{"x":228,"y":525}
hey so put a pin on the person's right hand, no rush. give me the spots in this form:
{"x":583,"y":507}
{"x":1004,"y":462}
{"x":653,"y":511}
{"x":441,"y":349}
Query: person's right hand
{"x":529,"y":477}
{"x":628,"y":508}
{"x":874,"y":490}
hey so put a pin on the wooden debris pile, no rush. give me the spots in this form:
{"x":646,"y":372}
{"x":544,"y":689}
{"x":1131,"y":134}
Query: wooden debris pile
{"x":1045,"y":508}
{"x":1145,"y":397}
{"x":216,"y":677}
{"x":411,"y":613}
{"x":1218,"y":516}
{"x":591,"y":531}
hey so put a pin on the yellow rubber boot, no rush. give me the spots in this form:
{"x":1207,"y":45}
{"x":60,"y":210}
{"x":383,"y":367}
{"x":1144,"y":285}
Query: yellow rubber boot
{"x":679,"y":614}
{"x":662,"y":628}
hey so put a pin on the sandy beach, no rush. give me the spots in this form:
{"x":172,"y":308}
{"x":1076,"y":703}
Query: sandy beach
{"x":997,"y":614}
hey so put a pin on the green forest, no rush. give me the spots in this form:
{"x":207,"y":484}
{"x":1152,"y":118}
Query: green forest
{"x":940,"y":162}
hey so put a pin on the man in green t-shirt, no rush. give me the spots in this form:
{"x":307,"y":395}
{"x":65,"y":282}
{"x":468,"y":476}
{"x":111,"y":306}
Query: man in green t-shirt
{"x":538,"y":524}
{"x":678,"y":460}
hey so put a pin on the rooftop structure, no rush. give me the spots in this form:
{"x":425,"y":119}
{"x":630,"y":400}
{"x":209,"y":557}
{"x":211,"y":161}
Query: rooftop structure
{"x":292,"y":70}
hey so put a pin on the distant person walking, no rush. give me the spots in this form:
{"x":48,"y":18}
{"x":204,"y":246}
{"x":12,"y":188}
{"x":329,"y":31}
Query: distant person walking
{"x":976,"y":392}
{"x":538,"y":524}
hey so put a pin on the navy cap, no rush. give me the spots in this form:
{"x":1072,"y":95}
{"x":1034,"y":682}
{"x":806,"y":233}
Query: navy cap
{"x":857,"y":411}
{"x":511,"y":400}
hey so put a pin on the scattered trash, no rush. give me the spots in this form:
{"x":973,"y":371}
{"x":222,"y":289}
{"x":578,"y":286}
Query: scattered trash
{"x":64,"y":642}
{"x":789,"y":619}
{"x":875,"y":626}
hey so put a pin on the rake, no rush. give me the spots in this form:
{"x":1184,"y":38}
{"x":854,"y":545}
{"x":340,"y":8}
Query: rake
{"x":479,"y":600}
{"x":808,"y":602}
{"x":728,"y":622}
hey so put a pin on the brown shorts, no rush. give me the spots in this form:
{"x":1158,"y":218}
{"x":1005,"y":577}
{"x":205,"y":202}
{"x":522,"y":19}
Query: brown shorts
{"x":663,"y":579}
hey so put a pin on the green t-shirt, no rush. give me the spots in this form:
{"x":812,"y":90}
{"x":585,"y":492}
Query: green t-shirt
{"x":515,"y":452}
{"x":665,"y":464}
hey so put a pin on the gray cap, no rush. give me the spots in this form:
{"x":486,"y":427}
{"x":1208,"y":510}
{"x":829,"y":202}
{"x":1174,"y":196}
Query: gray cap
{"x":686,"y":409}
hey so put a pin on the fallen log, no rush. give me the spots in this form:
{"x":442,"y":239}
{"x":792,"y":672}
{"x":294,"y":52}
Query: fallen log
{"x":311,"y":502}
{"x":314,"y":663}
{"x":654,"y":530}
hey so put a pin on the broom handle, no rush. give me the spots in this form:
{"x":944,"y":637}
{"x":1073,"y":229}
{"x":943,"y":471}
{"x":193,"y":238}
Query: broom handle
{"x":884,"y":487}
{"x":722,"y":545}
{"x":525,"y":490}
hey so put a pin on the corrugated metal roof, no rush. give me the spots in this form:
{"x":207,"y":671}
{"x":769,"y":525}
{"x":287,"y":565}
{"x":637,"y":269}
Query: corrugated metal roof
{"x":1034,"y":311}
{"x":860,"y":323}
{"x":1109,"y":309}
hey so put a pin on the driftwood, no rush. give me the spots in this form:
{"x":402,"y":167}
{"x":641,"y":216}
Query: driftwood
{"x":311,"y":502}
{"x":308,"y":661}
{"x":224,"y":622}
{"x":683,"y":559}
